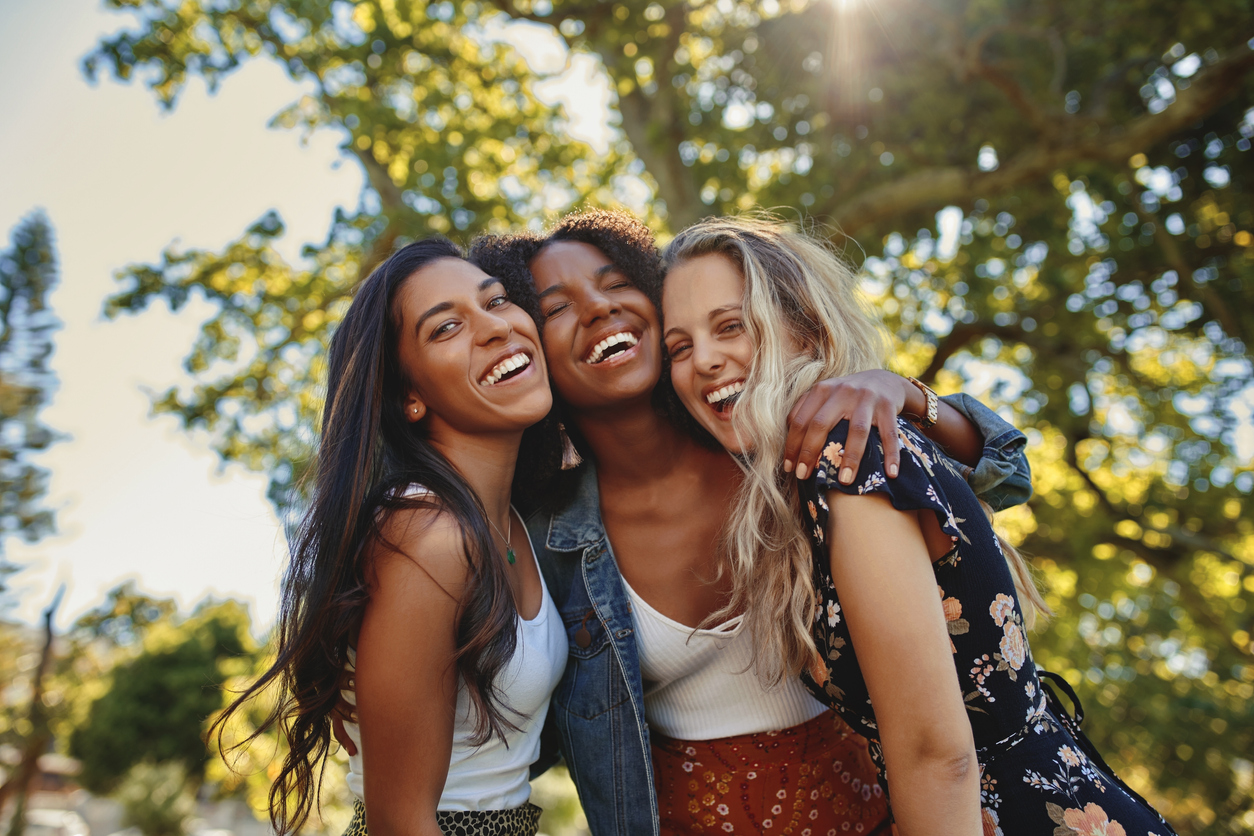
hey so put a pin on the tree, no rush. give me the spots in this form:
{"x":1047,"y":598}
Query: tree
{"x":28,"y":273}
{"x":157,"y":703}
{"x":1053,"y":199}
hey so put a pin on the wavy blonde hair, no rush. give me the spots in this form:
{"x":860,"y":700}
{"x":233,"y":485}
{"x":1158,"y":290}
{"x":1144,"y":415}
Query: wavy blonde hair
{"x":808,"y":321}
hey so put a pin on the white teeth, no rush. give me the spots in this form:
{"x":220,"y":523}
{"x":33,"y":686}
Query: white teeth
{"x":504,"y":367}
{"x":725,"y":393}
{"x":614,"y":339}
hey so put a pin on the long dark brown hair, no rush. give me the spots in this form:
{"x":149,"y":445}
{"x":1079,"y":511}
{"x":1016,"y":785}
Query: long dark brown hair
{"x":368,"y":454}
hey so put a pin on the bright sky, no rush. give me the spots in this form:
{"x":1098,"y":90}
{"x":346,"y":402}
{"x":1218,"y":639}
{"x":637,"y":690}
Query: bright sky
{"x":135,"y":496}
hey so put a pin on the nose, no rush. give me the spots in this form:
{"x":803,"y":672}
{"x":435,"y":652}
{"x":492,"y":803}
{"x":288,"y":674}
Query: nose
{"x":596,"y":305}
{"x":492,"y":327}
{"x":706,"y":357}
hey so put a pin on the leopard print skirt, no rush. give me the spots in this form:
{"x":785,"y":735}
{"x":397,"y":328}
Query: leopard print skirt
{"x":521,"y":821}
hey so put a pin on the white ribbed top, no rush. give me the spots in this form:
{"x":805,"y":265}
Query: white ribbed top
{"x":698,"y":684}
{"x":494,"y":776}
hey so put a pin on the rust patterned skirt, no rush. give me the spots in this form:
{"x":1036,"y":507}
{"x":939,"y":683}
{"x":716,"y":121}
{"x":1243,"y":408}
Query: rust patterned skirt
{"x":815,"y":779}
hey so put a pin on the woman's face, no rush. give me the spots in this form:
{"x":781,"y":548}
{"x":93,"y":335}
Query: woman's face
{"x":471,"y":357}
{"x":706,"y":341}
{"x":600,"y":330}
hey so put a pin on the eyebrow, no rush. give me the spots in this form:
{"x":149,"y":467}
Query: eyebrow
{"x":717,"y":312}
{"x":598,"y":273}
{"x":447,"y":306}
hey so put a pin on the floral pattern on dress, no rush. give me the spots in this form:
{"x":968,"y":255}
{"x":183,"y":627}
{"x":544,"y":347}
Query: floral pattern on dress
{"x":1036,"y":777}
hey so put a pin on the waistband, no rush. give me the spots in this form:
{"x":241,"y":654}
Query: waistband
{"x":520,"y":821}
{"x":822,"y":732}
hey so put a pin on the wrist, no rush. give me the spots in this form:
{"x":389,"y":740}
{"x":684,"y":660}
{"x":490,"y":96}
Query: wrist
{"x":915,"y":402}
{"x":926,"y":417}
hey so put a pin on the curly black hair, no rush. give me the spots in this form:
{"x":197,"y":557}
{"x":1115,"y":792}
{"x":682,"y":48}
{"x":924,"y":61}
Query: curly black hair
{"x":629,"y":245}
{"x":622,"y":237}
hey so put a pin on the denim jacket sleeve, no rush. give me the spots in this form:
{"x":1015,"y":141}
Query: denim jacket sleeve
{"x":1002,"y":478}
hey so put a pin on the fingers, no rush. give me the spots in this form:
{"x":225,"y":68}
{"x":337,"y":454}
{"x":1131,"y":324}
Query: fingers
{"x":341,"y":736}
{"x":855,"y":443}
{"x":886,"y":422}
{"x":798,"y":430}
{"x":817,"y":430}
{"x":867,"y":399}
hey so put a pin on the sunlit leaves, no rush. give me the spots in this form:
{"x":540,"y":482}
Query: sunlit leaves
{"x":452,"y":139}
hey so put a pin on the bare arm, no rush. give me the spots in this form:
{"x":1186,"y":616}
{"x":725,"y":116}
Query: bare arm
{"x":867,"y":399}
{"x":881,"y":567}
{"x":406,"y":680}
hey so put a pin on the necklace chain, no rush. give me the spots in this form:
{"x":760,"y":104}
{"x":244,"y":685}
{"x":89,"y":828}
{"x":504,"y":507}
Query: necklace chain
{"x":509,"y":528}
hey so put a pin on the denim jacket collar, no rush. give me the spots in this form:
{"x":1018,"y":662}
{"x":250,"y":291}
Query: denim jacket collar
{"x":579,"y":525}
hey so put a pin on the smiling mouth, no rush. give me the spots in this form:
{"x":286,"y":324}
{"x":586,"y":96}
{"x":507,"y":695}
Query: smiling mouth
{"x":507,"y":368}
{"x":722,"y":400}
{"x":611,"y":346}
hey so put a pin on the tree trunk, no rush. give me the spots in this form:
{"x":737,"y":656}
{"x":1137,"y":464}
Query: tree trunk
{"x":37,"y":743}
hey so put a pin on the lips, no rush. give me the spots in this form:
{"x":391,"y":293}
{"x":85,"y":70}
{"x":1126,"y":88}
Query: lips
{"x":506,"y":368}
{"x":722,"y":398}
{"x":610,"y":346}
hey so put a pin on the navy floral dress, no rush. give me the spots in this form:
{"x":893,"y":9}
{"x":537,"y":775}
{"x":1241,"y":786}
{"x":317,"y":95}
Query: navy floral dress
{"x":1038,"y":773}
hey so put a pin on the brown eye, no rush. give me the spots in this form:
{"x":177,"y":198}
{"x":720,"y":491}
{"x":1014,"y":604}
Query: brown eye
{"x":678,"y":349}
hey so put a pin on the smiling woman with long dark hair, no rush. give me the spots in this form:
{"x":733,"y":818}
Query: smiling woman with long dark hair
{"x":413,"y":593}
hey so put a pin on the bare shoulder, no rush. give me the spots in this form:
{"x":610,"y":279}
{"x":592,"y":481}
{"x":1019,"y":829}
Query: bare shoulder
{"x":873,"y":515}
{"x":420,"y":546}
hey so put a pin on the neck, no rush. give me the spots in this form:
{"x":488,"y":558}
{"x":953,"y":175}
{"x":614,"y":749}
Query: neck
{"x":487,"y":463}
{"x":630,"y":440}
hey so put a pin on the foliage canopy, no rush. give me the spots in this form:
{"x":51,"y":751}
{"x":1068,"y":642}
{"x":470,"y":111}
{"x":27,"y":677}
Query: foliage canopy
{"x":157,"y":703}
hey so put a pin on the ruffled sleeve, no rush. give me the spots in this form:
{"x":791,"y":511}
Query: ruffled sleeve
{"x":919,"y":485}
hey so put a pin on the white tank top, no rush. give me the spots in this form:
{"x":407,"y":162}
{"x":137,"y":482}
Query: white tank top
{"x":698,"y":684}
{"x":494,"y":776}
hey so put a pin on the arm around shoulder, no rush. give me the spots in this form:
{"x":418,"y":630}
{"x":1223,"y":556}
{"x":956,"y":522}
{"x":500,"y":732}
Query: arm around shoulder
{"x":406,"y":674}
{"x":882,"y":570}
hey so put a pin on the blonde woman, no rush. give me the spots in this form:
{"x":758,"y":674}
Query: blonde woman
{"x":893,"y":598}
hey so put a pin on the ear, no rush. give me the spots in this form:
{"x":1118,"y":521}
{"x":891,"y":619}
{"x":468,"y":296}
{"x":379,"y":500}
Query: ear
{"x":415,"y":408}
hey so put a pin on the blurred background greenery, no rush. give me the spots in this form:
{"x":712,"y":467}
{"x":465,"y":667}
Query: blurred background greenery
{"x":1051,"y":202}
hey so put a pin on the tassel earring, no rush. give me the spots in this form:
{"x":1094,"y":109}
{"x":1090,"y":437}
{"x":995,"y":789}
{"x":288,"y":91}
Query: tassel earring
{"x":570,"y":456}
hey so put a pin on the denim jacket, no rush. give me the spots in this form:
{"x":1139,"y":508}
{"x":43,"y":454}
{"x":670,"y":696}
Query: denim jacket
{"x":596,"y":719}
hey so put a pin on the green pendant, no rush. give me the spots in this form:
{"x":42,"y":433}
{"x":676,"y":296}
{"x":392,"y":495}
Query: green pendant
{"x":509,"y":555}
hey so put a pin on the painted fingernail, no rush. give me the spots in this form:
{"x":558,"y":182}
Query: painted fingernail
{"x":802,"y":471}
{"x":846,"y":476}
{"x":787,"y":466}
{"x":892,"y":471}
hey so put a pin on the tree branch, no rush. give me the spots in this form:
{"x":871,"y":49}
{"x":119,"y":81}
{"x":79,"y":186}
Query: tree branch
{"x":1211,"y":301}
{"x":654,"y":125}
{"x":976,"y":67}
{"x":960,"y":337}
{"x":941,"y":186}
{"x":391,"y":203}
{"x":1163,"y":558}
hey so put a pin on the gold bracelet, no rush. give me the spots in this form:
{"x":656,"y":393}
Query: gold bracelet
{"x":927,"y":421}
